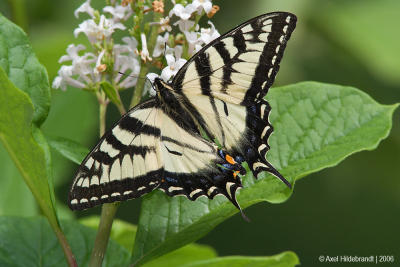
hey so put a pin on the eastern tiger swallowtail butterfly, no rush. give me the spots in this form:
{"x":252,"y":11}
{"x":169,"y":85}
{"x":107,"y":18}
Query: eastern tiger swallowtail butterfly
{"x":160,"y":144}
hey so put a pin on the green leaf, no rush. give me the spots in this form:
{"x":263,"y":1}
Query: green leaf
{"x":285,"y":259}
{"x":31,"y":242}
{"x":110,"y":92}
{"x":316,"y":126}
{"x":26,"y":145}
{"x":15,"y":197}
{"x":184,"y":255}
{"x":68,"y":148}
{"x":124,"y":234}
{"x":23,"y":69}
{"x":368,"y":29}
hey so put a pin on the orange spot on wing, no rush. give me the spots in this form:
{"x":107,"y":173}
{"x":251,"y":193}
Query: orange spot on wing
{"x":235,"y":173}
{"x":230,"y":159}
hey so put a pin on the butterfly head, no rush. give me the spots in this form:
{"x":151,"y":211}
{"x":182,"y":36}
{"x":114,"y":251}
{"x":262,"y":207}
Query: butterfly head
{"x":160,"y":84}
{"x":164,"y":90}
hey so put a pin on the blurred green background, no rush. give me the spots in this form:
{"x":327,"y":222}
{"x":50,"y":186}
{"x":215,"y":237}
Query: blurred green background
{"x":351,"y":209}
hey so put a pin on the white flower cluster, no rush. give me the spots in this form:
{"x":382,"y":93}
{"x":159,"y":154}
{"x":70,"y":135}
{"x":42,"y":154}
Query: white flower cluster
{"x":86,"y":69}
{"x":175,"y":43}
{"x":195,"y":39}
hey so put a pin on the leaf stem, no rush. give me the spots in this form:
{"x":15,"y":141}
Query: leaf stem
{"x":120,"y":105}
{"x":65,"y":247}
{"x":137,"y":94}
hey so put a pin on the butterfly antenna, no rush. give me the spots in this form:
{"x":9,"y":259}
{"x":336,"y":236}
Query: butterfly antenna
{"x":133,"y":76}
{"x":152,"y":84}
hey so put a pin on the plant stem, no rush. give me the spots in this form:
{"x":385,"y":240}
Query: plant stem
{"x":108,"y":211}
{"x":137,"y":94}
{"x":65,"y":247}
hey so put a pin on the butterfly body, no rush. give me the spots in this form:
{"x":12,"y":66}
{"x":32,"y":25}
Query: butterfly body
{"x":169,"y":142}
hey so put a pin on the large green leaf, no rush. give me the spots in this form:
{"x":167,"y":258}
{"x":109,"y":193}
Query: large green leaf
{"x":285,"y":259}
{"x":316,"y":126}
{"x":185,"y":255}
{"x":15,"y":197}
{"x":23,"y":69}
{"x":25,"y":144}
{"x":124,"y":234}
{"x":30,"y":242}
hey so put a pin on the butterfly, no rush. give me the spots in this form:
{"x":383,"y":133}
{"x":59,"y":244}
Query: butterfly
{"x":192,"y":137}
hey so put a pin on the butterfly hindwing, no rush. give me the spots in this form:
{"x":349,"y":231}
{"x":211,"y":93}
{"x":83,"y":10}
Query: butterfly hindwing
{"x":147,"y":149}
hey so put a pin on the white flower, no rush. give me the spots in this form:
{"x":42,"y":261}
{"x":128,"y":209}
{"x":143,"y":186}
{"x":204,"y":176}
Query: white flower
{"x":207,"y":35}
{"x":80,"y":73}
{"x":72,"y":53}
{"x":178,"y":50}
{"x":119,"y":12}
{"x":160,"y":45}
{"x":125,"y":61}
{"x":80,"y":64}
{"x":97,"y":32}
{"x":148,"y":86}
{"x":64,"y":78}
{"x":130,"y":45}
{"x":183,"y":12}
{"x":193,"y":41}
{"x":174,"y":64}
{"x":144,"y":54}
{"x":152,"y":76}
{"x":199,"y":5}
{"x":98,"y":63}
{"x":197,"y":48}
{"x":164,"y":24}
{"x":84,"y":8}
{"x":185,"y":25}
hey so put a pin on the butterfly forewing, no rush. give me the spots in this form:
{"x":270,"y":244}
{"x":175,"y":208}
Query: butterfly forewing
{"x":227,"y":80}
{"x":241,"y":65}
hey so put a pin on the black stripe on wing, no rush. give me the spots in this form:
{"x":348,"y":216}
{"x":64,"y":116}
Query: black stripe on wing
{"x":106,"y":174}
{"x":258,"y":131}
{"x":260,"y":41}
